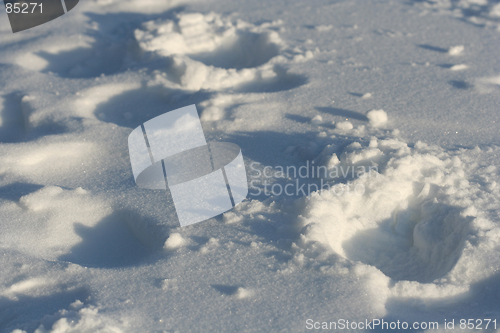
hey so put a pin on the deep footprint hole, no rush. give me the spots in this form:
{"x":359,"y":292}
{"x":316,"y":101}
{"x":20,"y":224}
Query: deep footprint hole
{"x":246,"y":50}
{"x":121,"y":239}
{"x":132,"y":108}
{"x":101,"y":58}
{"x":418,"y":244}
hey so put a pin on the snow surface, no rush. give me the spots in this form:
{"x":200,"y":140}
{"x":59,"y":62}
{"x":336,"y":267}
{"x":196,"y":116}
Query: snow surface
{"x":407,"y":90}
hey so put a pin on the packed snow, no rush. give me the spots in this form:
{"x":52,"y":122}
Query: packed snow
{"x":371,"y":144}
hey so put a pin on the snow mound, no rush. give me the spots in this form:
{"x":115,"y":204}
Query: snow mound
{"x":456,"y":50}
{"x":174,"y":241}
{"x":78,"y":319}
{"x":211,"y":40}
{"x":210,"y":52}
{"x":418,"y":232}
{"x":47,"y":220}
{"x":479,"y":12}
{"x":377,"y":117}
{"x":418,"y":217}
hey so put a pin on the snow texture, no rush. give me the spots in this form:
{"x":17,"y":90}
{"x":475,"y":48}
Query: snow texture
{"x":387,"y":109}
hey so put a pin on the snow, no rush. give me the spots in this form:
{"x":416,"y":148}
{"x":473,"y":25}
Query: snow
{"x":456,"y":50}
{"x":381,"y":205}
{"x":344,"y":126}
{"x":174,"y":241}
{"x":377,"y":117}
{"x":317,"y":120}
